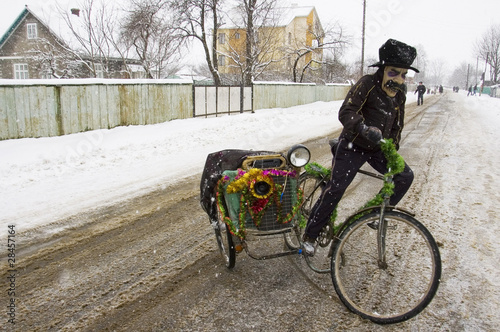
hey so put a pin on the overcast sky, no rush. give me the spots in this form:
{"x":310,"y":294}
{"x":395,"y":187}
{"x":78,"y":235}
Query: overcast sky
{"x":445,"y":29}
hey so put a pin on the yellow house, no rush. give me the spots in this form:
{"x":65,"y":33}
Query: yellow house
{"x":296,"y":34}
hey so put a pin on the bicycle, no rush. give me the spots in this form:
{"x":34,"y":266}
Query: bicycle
{"x":384,"y":264}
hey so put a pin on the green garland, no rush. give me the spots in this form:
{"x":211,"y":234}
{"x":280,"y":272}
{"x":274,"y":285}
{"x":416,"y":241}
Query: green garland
{"x":395,"y":165}
{"x":255,"y":206}
{"x":317,"y":170}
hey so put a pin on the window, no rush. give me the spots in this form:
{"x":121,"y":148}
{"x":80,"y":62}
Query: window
{"x":99,"y":70}
{"x":46,"y":74}
{"x":222,"y":60}
{"x":222,"y":38}
{"x":21,"y":71}
{"x":237,"y":35}
{"x":32,"y":30}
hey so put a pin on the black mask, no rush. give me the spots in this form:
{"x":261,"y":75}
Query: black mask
{"x":396,"y":86}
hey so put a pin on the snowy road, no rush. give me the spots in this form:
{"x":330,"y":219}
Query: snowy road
{"x":151,"y":263}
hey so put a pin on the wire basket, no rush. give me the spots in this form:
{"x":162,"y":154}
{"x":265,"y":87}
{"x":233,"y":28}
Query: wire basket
{"x":277,"y":216}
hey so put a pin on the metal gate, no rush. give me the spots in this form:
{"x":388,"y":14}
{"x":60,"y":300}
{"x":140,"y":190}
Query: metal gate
{"x":221,"y":100}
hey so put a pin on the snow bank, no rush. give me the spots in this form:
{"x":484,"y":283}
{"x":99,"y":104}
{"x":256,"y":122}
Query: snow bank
{"x":47,"y":179}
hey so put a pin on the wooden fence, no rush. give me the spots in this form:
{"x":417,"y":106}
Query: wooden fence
{"x":272,"y":95}
{"x":44,"y":108}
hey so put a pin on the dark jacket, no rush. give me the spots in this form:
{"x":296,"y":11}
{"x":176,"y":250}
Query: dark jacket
{"x":421,"y":89}
{"x":367,"y":103}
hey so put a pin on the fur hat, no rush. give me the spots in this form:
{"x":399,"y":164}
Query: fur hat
{"x":397,"y":54}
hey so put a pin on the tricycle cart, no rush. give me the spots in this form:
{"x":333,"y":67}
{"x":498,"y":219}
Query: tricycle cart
{"x":385,"y":265}
{"x":253,"y":194}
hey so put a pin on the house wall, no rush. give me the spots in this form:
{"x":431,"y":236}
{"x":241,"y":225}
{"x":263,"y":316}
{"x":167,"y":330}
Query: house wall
{"x":230,"y":46}
{"x":312,"y":20}
{"x":298,"y":28}
{"x":20,"y":49}
{"x":45,"y":54}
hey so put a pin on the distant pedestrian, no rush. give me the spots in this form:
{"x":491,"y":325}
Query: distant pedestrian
{"x":421,"y":91}
{"x":470,"y":91}
{"x":475,"y":90}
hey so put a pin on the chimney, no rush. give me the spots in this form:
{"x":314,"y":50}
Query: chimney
{"x":75,"y":11}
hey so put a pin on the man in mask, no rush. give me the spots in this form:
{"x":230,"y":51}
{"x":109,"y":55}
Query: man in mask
{"x":372,"y":110}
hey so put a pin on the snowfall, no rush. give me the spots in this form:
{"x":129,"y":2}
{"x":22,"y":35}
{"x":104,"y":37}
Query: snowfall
{"x":44,"y":180}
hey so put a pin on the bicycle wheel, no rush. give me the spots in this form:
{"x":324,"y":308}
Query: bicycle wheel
{"x":312,"y":187}
{"x":225,"y":242}
{"x":404,"y":286}
{"x":292,"y":238}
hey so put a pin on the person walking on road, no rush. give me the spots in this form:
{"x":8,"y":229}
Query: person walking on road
{"x":373,"y":109}
{"x":421,"y":91}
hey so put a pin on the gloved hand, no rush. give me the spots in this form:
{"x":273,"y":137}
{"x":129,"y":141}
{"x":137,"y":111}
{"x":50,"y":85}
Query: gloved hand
{"x":373,"y":134}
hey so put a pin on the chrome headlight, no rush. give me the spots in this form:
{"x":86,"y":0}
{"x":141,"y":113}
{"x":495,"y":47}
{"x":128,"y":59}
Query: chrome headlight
{"x":298,"y":155}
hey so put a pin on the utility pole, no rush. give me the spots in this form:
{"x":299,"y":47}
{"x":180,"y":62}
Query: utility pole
{"x":363,"y":41}
{"x":477,"y":64}
{"x":483,"y":76}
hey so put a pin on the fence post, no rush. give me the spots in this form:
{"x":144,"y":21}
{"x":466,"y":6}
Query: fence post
{"x":59,"y":119}
{"x":194,"y":100}
{"x":242,"y":89}
{"x":251,"y":98}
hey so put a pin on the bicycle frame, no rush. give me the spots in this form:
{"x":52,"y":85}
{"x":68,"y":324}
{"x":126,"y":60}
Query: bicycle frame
{"x":382,"y":230}
{"x":382,"y":226}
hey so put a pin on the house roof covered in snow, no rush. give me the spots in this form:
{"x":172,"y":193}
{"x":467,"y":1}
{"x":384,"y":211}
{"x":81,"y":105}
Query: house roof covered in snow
{"x":26,"y":11}
{"x":286,"y":15}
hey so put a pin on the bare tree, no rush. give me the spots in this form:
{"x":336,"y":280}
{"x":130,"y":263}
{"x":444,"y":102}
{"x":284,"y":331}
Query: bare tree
{"x":421,"y":63}
{"x":93,"y":42}
{"x":460,"y":76}
{"x":488,"y":49}
{"x":52,"y":60}
{"x":258,"y":20}
{"x":147,"y":30}
{"x":435,"y":72}
{"x":334,"y":71}
{"x":88,"y":28}
{"x":200,"y":19}
{"x":331,"y":39}
{"x":111,"y":31}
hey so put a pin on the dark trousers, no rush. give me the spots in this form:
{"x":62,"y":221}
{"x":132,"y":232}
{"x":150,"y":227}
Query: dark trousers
{"x":420,"y":99}
{"x":345,"y":164}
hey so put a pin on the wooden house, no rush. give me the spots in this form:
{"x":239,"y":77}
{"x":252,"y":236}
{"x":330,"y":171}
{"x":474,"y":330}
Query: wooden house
{"x":30,"y":49}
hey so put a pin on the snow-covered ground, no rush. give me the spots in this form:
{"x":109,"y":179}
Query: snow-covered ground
{"x":451,"y":147}
{"x":46,"y":179}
